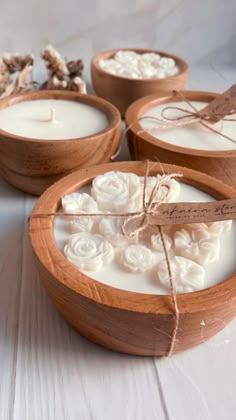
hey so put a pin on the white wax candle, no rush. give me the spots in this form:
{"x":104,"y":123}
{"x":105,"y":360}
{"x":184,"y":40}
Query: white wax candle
{"x":144,"y":282}
{"x":193,"y":136}
{"x":52,"y":119}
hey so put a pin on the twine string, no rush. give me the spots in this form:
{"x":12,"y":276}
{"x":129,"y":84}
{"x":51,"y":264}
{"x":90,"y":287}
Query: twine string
{"x":195,"y":115}
{"x":173,"y":295}
{"x":149,"y":206}
{"x":142,"y":217}
{"x":188,"y":117}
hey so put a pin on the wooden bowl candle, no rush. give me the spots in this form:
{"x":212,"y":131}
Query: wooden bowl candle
{"x":192,"y":145}
{"x":124,"y":90}
{"x":45,"y":135}
{"x":127,"y":312}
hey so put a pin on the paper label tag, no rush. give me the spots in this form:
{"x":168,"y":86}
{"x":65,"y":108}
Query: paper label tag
{"x":181,"y":213}
{"x":221,"y":106}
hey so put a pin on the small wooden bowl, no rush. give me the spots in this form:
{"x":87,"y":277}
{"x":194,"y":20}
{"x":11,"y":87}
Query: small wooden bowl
{"x":122,"y":91}
{"x":33,"y":164}
{"x":142,"y":145}
{"x":128,"y":322}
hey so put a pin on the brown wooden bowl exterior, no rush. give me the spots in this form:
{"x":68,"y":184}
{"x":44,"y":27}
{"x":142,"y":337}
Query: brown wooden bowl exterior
{"x":32,"y":165}
{"x":142,"y":145}
{"x":122,"y":91}
{"x":120,"y":320}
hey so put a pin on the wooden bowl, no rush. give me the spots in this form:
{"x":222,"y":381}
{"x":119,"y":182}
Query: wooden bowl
{"x":142,"y":145}
{"x":122,"y":91}
{"x":128,"y":322}
{"x":33,"y":164}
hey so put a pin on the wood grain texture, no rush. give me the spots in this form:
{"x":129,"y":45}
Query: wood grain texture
{"x":33,"y":164}
{"x":122,"y":91}
{"x":142,"y":145}
{"x":107,"y":315}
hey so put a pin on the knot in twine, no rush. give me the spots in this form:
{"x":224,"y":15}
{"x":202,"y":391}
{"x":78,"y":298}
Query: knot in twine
{"x":222,"y":105}
{"x":134,"y":224}
{"x":137,"y":222}
{"x":206,"y":116}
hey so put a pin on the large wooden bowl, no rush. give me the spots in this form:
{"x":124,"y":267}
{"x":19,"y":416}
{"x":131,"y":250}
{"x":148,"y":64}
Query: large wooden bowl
{"x":122,"y":91}
{"x":134,"y":323}
{"x":33,"y":164}
{"x":142,"y":145}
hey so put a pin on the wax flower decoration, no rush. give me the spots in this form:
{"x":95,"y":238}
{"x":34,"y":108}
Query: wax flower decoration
{"x":186,"y":249}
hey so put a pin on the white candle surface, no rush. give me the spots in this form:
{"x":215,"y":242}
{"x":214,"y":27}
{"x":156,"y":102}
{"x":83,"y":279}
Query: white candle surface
{"x":52,"y":119}
{"x":146,"y":282}
{"x":193,"y":136}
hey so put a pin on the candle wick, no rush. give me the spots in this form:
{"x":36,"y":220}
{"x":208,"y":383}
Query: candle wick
{"x":52,"y":114}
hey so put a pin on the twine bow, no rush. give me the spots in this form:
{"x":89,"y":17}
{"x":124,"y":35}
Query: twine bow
{"x":222,"y":105}
{"x":206,"y":116}
{"x":136,"y":223}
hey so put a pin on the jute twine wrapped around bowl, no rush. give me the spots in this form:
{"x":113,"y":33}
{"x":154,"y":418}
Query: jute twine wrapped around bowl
{"x":220,"y":107}
{"x":154,"y":215}
{"x":217,"y":110}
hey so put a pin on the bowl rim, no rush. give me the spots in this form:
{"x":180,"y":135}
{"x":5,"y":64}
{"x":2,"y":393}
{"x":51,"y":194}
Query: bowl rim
{"x":111,"y":112}
{"x":137,"y":108}
{"x":183,"y":66}
{"x":64,"y":272}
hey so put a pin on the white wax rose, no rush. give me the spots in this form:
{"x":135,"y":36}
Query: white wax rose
{"x":88,"y":251}
{"x":219,"y":228}
{"x":137,"y":258}
{"x":111,"y":229}
{"x":214,"y":228}
{"x":167,"y":192}
{"x":187,"y":276}
{"x":82,"y":224}
{"x":80,"y":203}
{"x":116,"y":191}
{"x":198,"y":245}
{"x":157,"y":242}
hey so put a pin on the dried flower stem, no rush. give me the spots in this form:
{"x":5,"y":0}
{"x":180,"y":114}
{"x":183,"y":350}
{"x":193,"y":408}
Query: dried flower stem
{"x":62,"y":74}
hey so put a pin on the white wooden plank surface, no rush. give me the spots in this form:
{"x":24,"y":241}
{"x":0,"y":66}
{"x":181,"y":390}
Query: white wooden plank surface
{"x":199,"y":384}
{"x":11,"y":222}
{"x":49,"y":372}
{"x":60,"y":375}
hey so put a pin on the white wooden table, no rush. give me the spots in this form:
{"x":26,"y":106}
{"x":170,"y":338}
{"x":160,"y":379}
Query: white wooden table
{"x":49,"y":372}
